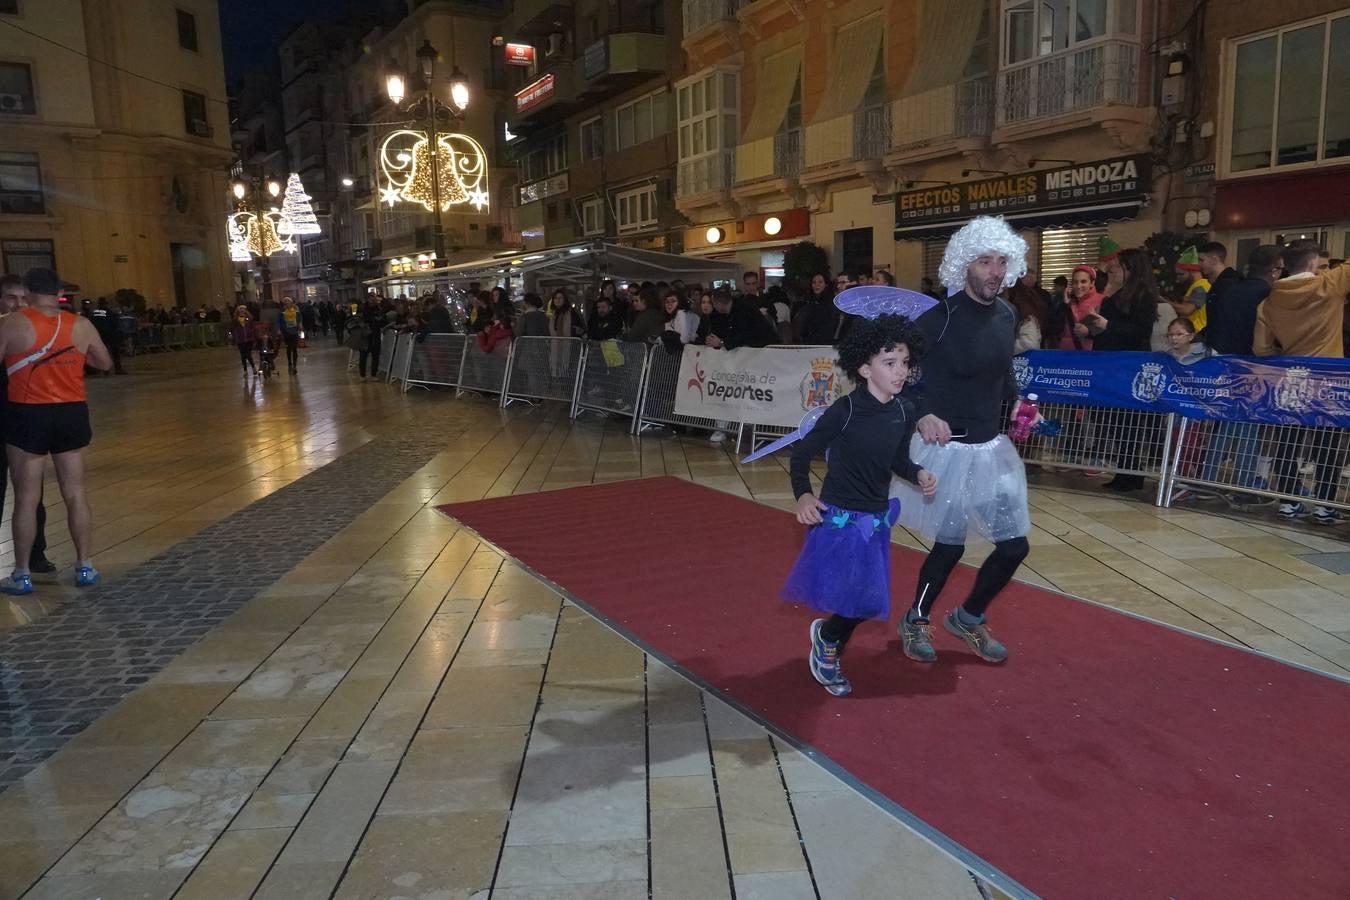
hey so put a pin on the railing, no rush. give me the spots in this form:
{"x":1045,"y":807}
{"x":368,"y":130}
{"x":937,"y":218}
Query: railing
{"x":787,"y":153}
{"x":543,"y":368}
{"x":612,"y":376}
{"x":953,"y":111}
{"x":699,"y":14}
{"x":1082,"y":78}
{"x":871,"y":131}
{"x":861,"y":135}
{"x":398,"y":364}
{"x":715,"y":172}
{"x":658,"y":399}
{"x":437,"y":360}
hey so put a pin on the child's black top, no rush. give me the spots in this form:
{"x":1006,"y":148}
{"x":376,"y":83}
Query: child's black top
{"x":868,"y":440}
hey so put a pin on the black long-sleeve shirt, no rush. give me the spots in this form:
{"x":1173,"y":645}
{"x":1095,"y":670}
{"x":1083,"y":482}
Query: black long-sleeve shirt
{"x":1127,"y":327}
{"x":868,"y":440}
{"x":967,"y":365}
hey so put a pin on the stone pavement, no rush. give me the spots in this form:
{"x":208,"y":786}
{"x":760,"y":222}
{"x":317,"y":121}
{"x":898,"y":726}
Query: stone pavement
{"x":328,"y":689}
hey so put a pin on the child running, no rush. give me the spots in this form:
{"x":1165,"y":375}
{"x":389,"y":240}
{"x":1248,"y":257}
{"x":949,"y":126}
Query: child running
{"x":844,"y":567}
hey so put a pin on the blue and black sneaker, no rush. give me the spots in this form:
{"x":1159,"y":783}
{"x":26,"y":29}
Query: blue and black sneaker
{"x":825,"y":663}
{"x":86,"y":576}
{"x":17,"y":585}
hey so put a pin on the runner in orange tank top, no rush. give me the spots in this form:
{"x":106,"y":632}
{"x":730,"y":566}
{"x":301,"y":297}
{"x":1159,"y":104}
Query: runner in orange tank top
{"x":45,"y":351}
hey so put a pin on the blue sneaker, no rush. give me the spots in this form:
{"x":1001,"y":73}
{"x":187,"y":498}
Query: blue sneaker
{"x":17,"y":585}
{"x":825,"y":663}
{"x":86,"y":576}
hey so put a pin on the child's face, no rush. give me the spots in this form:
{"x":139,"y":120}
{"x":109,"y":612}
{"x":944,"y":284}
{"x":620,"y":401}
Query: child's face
{"x":887,"y":372}
{"x":1178,"y":337}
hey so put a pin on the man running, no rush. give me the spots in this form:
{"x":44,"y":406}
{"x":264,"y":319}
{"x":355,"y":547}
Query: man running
{"x":982,"y":483}
{"x":45,"y":350}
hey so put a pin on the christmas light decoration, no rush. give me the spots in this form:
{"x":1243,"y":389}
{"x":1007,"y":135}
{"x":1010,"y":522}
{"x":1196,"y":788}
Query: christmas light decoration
{"x":406,"y":161}
{"x":250,"y":234}
{"x":296,"y":208}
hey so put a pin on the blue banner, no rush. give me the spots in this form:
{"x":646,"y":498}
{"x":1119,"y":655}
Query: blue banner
{"x":1274,"y":390}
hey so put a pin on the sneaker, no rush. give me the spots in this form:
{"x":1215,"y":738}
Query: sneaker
{"x":978,"y":637}
{"x":1323,"y":515}
{"x":42,"y":566}
{"x":1292,"y":510}
{"x":1182,"y":494}
{"x":86,"y":576}
{"x":17,"y":585}
{"x":825,"y":663}
{"x":917,"y":640}
{"x":717,"y":437}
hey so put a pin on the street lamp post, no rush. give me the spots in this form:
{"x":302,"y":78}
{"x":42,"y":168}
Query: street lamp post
{"x":427,"y":106}
{"x":249,"y":192}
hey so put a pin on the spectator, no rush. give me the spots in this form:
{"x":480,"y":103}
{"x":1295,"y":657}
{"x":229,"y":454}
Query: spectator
{"x":776,"y":308}
{"x":737,"y":324}
{"x":649,"y":319}
{"x":1108,"y":264}
{"x":480,"y":312}
{"x":105,"y":322}
{"x":750,"y":286}
{"x":882,"y":277}
{"x":1054,"y":313}
{"x":356,"y":336}
{"x":818,"y":321}
{"x":618,"y":303}
{"x":1182,"y":343}
{"x":1124,"y":322}
{"x":242,"y":333}
{"x":534,"y":323}
{"x":1081,"y":302}
{"x":1026,"y":302}
{"x":1214,"y":266}
{"x":926,"y":286}
{"x":498,"y":332}
{"x":605,"y":325}
{"x":13,"y":297}
{"x":680,"y":320}
{"x":1302,"y":316}
{"x":841,"y":282}
{"x":563,"y":319}
{"x":1194,"y":286}
{"x":435,"y":318}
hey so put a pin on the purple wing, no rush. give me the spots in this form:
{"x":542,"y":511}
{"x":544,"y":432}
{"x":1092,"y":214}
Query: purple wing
{"x":808,"y":422}
{"x":872,"y":300}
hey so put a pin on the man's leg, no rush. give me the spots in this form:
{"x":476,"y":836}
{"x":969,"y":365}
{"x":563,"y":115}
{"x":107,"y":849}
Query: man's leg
{"x":39,"y":551}
{"x":26,"y":470}
{"x":70,"y":473}
{"x":932,"y":577}
{"x":998,"y":569}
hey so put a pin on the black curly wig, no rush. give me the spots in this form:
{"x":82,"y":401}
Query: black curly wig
{"x":868,"y":337}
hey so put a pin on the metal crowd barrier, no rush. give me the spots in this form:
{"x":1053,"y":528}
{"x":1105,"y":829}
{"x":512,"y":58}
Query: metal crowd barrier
{"x":387,"y":341}
{"x":612,"y":378}
{"x":658,"y":399}
{"x":436,"y":360}
{"x":400,"y":356}
{"x":543,"y":368}
{"x":483,"y":372}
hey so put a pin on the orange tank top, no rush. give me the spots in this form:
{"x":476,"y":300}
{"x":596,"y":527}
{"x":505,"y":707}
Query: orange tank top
{"x":52,"y":370}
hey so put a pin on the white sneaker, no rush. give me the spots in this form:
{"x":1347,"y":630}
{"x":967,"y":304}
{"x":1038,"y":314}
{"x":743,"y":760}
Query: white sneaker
{"x":1323,"y":515}
{"x":717,"y":437}
{"x":1293,"y":510}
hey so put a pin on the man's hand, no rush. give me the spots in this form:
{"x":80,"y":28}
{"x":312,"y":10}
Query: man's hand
{"x":1080,"y":329}
{"x":713,"y":341}
{"x":927,"y":482}
{"x":808,"y":509}
{"x":933,"y":430}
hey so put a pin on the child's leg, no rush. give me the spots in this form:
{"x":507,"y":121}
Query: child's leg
{"x":933,"y":576}
{"x":838,"y":629}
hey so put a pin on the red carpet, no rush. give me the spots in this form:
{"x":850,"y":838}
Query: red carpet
{"x":1109,"y":758}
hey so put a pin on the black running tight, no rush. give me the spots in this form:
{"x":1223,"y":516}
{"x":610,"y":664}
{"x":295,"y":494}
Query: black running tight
{"x":996,"y":572}
{"x":838,"y":629}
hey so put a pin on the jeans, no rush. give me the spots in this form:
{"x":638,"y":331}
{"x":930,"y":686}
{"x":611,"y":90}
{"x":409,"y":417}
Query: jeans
{"x":1324,"y":451}
{"x":1241,"y":436}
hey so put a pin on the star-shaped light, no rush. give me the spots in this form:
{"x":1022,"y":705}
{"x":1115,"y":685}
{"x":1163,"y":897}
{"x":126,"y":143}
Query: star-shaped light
{"x":389,"y":195}
{"x":479,"y":199}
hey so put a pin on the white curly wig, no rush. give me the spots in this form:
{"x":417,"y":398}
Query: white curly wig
{"x":984,"y":234}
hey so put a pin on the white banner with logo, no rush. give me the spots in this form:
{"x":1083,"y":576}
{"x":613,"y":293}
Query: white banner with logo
{"x":763,"y":386}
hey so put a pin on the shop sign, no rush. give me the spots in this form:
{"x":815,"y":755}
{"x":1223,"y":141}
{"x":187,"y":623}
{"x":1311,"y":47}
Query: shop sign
{"x":520,"y":54}
{"x":544,"y":187}
{"x":595,"y":61}
{"x":535,"y":93}
{"x":1199,"y":171}
{"x":1104,"y":182}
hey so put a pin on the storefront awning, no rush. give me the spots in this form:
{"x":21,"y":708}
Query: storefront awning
{"x":1293,"y":199}
{"x":1101,"y":214}
{"x":579,"y":262}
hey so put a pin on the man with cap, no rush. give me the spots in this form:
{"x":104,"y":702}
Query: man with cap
{"x":1108,"y":263}
{"x":1195,"y":287}
{"x":45,"y":350}
{"x":982,"y":487}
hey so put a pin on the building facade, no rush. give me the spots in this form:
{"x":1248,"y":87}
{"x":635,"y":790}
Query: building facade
{"x":116,"y":147}
{"x":877,"y":128}
{"x":592,"y":119}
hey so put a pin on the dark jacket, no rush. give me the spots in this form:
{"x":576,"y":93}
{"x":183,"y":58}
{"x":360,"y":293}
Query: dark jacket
{"x":743,"y":326}
{"x":1231,"y":317}
{"x":1227,"y":279}
{"x":1126,"y":329}
{"x":818,"y":320}
{"x":533,"y":323}
{"x":647,"y":326}
{"x":607,"y":328}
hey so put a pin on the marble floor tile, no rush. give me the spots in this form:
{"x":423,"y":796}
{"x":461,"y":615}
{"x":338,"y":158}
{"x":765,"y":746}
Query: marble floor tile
{"x":235,"y":865}
{"x":572,"y":863}
{"x":397,"y":858}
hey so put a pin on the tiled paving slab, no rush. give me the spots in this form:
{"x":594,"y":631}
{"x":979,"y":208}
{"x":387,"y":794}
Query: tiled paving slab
{"x":62,"y":672}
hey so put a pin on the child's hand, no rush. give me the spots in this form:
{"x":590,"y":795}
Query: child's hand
{"x":927,"y":482}
{"x":808,"y":509}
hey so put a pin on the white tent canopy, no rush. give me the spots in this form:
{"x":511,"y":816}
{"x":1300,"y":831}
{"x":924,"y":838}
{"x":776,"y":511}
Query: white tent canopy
{"x":599,"y":259}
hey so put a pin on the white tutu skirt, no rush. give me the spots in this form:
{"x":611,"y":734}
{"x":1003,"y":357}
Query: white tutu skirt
{"x":982,"y":489}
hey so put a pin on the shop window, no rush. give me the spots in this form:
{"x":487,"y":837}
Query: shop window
{"x":1289,"y":108}
{"x":592,"y":139}
{"x":187,"y":30}
{"x":636,"y":209}
{"x":16,"y":89}
{"x":20,"y":256}
{"x":21,"y":184}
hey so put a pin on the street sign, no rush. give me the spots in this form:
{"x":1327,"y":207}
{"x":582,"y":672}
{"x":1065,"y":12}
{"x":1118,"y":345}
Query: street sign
{"x":520,"y":54}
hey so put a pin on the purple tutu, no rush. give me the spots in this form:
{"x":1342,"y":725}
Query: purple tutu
{"x":845,"y":564}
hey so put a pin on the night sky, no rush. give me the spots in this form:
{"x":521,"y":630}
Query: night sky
{"x":251,"y":29}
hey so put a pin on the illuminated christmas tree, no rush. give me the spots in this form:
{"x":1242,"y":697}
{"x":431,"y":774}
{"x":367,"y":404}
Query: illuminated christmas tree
{"x":295,"y":208}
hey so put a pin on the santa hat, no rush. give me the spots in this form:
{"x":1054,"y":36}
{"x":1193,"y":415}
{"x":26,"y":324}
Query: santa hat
{"x":1189,"y":260}
{"x":1107,"y":249}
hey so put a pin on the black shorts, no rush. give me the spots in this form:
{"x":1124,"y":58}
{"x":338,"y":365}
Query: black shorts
{"x":43,"y":428}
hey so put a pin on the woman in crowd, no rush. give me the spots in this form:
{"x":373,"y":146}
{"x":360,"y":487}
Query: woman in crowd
{"x":563,"y":319}
{"x":776,"y":308}
{"x":680,"y":319}
{"x":818,"y":320}
{"x":1081,"y":301}
{"x":480,"y":312}
{"x":1030,"y":309}
{"x":1124,"y":322}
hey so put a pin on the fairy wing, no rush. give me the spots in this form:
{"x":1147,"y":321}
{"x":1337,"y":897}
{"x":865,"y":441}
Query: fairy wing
{"x":808,"y":422}
{"x":872,"y":300}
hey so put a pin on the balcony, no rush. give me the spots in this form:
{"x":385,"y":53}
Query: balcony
{"x":934,"y":123}
{"x":619,"y":61}
{"x":536,"y":17}
{"x":787,"y":153}
{"x":701,"y":14}
{"x":842,"y":143}
{"x":706,"y":174}
{"x":1096,"y":75}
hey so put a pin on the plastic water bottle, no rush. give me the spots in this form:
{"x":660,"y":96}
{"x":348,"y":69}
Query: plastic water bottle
{"x":1025,"y":418}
